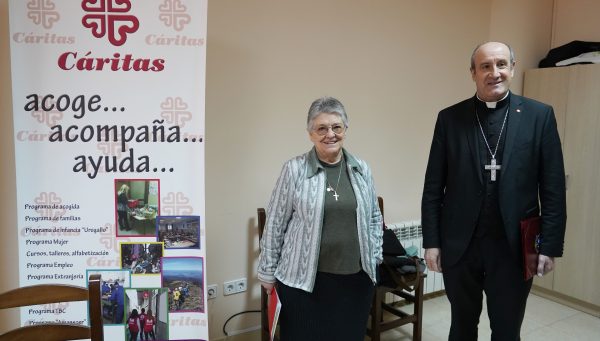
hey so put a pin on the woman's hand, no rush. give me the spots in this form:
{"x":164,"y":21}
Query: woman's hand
{"x":268,"y":287}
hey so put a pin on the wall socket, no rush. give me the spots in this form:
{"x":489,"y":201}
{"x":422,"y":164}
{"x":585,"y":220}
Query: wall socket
{"x":234,"y":286}
{"x":211,"y":291}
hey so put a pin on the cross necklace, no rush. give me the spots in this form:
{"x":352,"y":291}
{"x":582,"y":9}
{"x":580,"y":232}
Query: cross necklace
{"x":492,"y":167}
{"x":330,"y":188}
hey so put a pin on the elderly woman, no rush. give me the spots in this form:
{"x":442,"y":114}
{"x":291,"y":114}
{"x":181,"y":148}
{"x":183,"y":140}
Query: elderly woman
{"x":322,"y":240}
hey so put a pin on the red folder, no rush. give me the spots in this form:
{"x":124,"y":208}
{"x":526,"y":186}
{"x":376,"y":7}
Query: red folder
{"x":273,"y":311}
{"x":530,"y":242}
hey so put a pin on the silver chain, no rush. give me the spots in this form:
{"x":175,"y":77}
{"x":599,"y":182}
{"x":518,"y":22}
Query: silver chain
{"x":499,"y":136}
{"x":338,"y":180}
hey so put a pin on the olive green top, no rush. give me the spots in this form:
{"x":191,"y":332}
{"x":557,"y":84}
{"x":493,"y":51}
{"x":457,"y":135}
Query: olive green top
{"x":340,"y":250}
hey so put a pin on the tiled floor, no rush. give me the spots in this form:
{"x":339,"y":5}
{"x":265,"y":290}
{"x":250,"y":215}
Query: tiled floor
{"x":545,"y":320}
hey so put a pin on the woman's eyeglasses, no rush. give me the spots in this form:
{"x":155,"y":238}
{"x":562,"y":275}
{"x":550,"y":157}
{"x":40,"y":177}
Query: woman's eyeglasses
{"x":323,"y":130}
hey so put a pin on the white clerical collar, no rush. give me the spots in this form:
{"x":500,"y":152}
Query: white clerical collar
{"x":492,"y":105}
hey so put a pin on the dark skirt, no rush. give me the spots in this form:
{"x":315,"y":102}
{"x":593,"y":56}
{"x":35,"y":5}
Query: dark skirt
{"x":337,"y":309}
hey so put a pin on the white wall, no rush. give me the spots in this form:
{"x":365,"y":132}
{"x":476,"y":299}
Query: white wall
{"x":527,"y":27}
{"x":575,"y":20}
{"x":394,"y":64}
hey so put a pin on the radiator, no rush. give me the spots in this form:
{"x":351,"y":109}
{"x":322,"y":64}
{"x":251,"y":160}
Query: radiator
{"x":410,"y":234}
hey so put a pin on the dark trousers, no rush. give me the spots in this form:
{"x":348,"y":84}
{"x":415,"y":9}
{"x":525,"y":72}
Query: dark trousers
{"x":133,"y":336}
{"x":150,"y":333}
{"x":119,"y":313}
{"x":123,"y":220}
{"x":487,"y":266}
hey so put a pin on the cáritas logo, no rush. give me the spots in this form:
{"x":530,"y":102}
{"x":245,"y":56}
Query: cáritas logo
{"x":42,"y":12}
{"x":109,"y":18}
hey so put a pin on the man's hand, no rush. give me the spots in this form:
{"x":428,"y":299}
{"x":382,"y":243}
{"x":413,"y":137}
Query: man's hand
{"x":433,"y":259}
{"x":545,"y":265}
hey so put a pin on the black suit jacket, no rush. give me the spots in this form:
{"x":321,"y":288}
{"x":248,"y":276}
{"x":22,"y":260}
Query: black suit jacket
{"x":532,"y":169}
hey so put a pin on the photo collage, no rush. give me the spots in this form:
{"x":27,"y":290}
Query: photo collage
{"x":144,"y":311}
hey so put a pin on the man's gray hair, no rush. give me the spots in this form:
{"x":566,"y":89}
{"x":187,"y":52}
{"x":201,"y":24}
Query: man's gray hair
{"x":512,"y":53}
{"x":326,"y":105}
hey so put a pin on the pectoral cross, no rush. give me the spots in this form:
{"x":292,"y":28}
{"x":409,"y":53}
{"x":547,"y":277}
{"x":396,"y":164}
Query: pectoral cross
{"x":335,"y":195}
{"x":493,"y":167}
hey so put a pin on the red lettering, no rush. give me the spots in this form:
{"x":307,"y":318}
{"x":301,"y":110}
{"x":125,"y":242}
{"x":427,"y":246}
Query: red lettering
{"x":62,"y":60}
{"x":70,"y":60}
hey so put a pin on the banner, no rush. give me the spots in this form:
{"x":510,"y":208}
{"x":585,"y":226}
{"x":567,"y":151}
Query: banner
{"x":108,"y":100}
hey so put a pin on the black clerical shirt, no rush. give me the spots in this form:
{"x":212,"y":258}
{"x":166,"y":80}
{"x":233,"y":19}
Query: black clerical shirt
{"x":490,"y":221}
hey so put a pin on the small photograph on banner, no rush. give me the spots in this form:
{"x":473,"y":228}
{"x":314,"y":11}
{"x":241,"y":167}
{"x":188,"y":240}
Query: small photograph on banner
{"x":137,"y":203}
{"x":113,"y":283}
{"x":184,"y":277}
{"x":145,"y":309}
{"x":141,"y":258}
{"x":178,"y":232}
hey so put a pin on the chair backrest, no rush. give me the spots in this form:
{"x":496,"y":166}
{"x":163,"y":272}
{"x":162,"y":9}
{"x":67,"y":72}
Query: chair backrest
{"x":264,"y":318}
{"x":55,"y":293}
{"x":407,"y":282}
{"x":261,"y":221}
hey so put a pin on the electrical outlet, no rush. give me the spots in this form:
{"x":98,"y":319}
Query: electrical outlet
{"x":229,"y":288}
{"x":212,"y":291}
{"x":234,"y":286}
{"x":241,"y":285}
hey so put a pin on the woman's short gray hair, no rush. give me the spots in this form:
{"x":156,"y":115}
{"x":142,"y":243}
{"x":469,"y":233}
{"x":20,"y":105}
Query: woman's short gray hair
{"x":326,"y":105}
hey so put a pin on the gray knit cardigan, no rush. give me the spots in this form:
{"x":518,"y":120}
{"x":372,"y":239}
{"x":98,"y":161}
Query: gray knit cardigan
{"x":292,"y":236}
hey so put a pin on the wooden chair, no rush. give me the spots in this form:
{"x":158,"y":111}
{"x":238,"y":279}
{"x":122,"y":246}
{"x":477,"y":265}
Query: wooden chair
{"x":410,"y":288}
{"x":55,"y":293}
{"x":264,"y":317}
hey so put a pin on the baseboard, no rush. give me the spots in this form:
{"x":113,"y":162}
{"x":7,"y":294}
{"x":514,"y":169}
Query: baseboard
{"x":434,"y":294}
{"x":569,"y":301}
{"x":238,"y":334}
